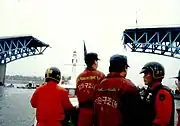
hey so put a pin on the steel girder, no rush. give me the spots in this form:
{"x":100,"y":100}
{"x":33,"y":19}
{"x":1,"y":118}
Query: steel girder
{"x":160,"y":41}
{"x":15,"y":48}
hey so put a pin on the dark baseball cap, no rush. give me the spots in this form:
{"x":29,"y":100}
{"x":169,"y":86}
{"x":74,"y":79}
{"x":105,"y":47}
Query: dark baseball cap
{"x":118,"y":59}
{"x":91,"y":57}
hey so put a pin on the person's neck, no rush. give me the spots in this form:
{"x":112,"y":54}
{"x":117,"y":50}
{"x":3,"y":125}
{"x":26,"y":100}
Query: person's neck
{"x":154,"y":85}
{"x":92,"y":67}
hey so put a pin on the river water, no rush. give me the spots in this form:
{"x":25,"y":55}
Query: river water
{"x":15,"y":109}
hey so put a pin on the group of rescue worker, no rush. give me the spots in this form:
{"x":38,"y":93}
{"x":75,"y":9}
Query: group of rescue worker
{"x":111,"y":100}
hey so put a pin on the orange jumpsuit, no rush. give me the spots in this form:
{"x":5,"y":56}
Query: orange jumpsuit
{"x":161,"y":106}
{"x":86,"y":84}
{"x":116,"y":102}
{"x":50,"y":101}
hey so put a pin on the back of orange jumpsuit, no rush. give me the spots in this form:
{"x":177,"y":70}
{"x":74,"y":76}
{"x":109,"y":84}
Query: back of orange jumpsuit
{"x":116,"y":102}
{"x":86,"y":83}
{"x":50,"y":101}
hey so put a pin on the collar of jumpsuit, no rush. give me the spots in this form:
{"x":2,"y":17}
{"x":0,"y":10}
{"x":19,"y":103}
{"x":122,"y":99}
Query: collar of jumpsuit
{"x":114,"y":74}
{"x":90,"y":68}
{"x":155,"y":84}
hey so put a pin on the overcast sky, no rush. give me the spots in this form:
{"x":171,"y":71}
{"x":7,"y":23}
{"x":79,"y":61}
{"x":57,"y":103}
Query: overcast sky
{"x":64,"y":24}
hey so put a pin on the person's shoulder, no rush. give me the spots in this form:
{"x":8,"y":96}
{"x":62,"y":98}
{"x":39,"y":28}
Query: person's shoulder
{"x":60,"y":88}
{"x":126,"y":81}
{"x":81,"y":74}
{"x":100,"y":74}
{"x":104,"y":80}
{"x":40,"y":87}
{"x":165,"y":92}
{"x":129,"y":85}
{"x":164,"y":95}
{"x":129,"y":82}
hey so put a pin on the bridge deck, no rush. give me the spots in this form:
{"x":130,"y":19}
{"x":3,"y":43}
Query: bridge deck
{"x":28,"y":41}
{"x":151,"y":31}
{"x":16,"y":47}
{"x":162,"y":40}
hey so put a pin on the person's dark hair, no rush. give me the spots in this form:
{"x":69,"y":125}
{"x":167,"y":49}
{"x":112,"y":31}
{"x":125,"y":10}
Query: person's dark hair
{"x":116,"y":68}
{"x":90,"y":58}
{"x":90,"y":63}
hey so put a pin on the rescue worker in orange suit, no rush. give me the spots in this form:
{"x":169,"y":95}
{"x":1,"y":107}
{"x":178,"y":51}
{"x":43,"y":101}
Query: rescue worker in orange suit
{"x":50,"y":100}
{"x":86,"y":84}
{"x":158,"y":99}
{"x":117,"y":99}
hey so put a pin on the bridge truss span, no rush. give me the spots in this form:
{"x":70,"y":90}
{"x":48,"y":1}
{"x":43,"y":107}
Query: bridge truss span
{"x":14,"y":48}
{"x":161,"y":41}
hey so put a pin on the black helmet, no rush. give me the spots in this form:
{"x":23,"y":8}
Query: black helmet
{"x":53,"y":73}
{"x":117,"y":63}
{"x":155,"y":68}
{"x":178,"y":77}
{"x":90,"y":57}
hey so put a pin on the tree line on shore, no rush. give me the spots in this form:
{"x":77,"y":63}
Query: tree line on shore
{"x":19,"y":79}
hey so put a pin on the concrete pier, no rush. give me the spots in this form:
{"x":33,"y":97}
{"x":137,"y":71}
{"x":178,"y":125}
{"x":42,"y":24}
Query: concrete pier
{"x":2,"y":74}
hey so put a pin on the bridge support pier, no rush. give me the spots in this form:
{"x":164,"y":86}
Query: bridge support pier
{"x":2,"y":74}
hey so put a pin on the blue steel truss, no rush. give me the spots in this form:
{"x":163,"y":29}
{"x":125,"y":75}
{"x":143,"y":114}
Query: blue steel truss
{"x":160,"y":41}
{"x":13,"y":48}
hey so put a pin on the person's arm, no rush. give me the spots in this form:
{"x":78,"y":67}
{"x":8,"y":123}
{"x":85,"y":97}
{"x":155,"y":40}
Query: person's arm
{"x":131,"y":106}
{"x":163,"y":108}
{"x":102,"y":76}
{"x":34,"y":99}
{"x":66,"y":102}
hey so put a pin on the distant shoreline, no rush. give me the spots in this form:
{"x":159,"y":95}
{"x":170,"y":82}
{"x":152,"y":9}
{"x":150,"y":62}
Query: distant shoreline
{"x":19,"y":79}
